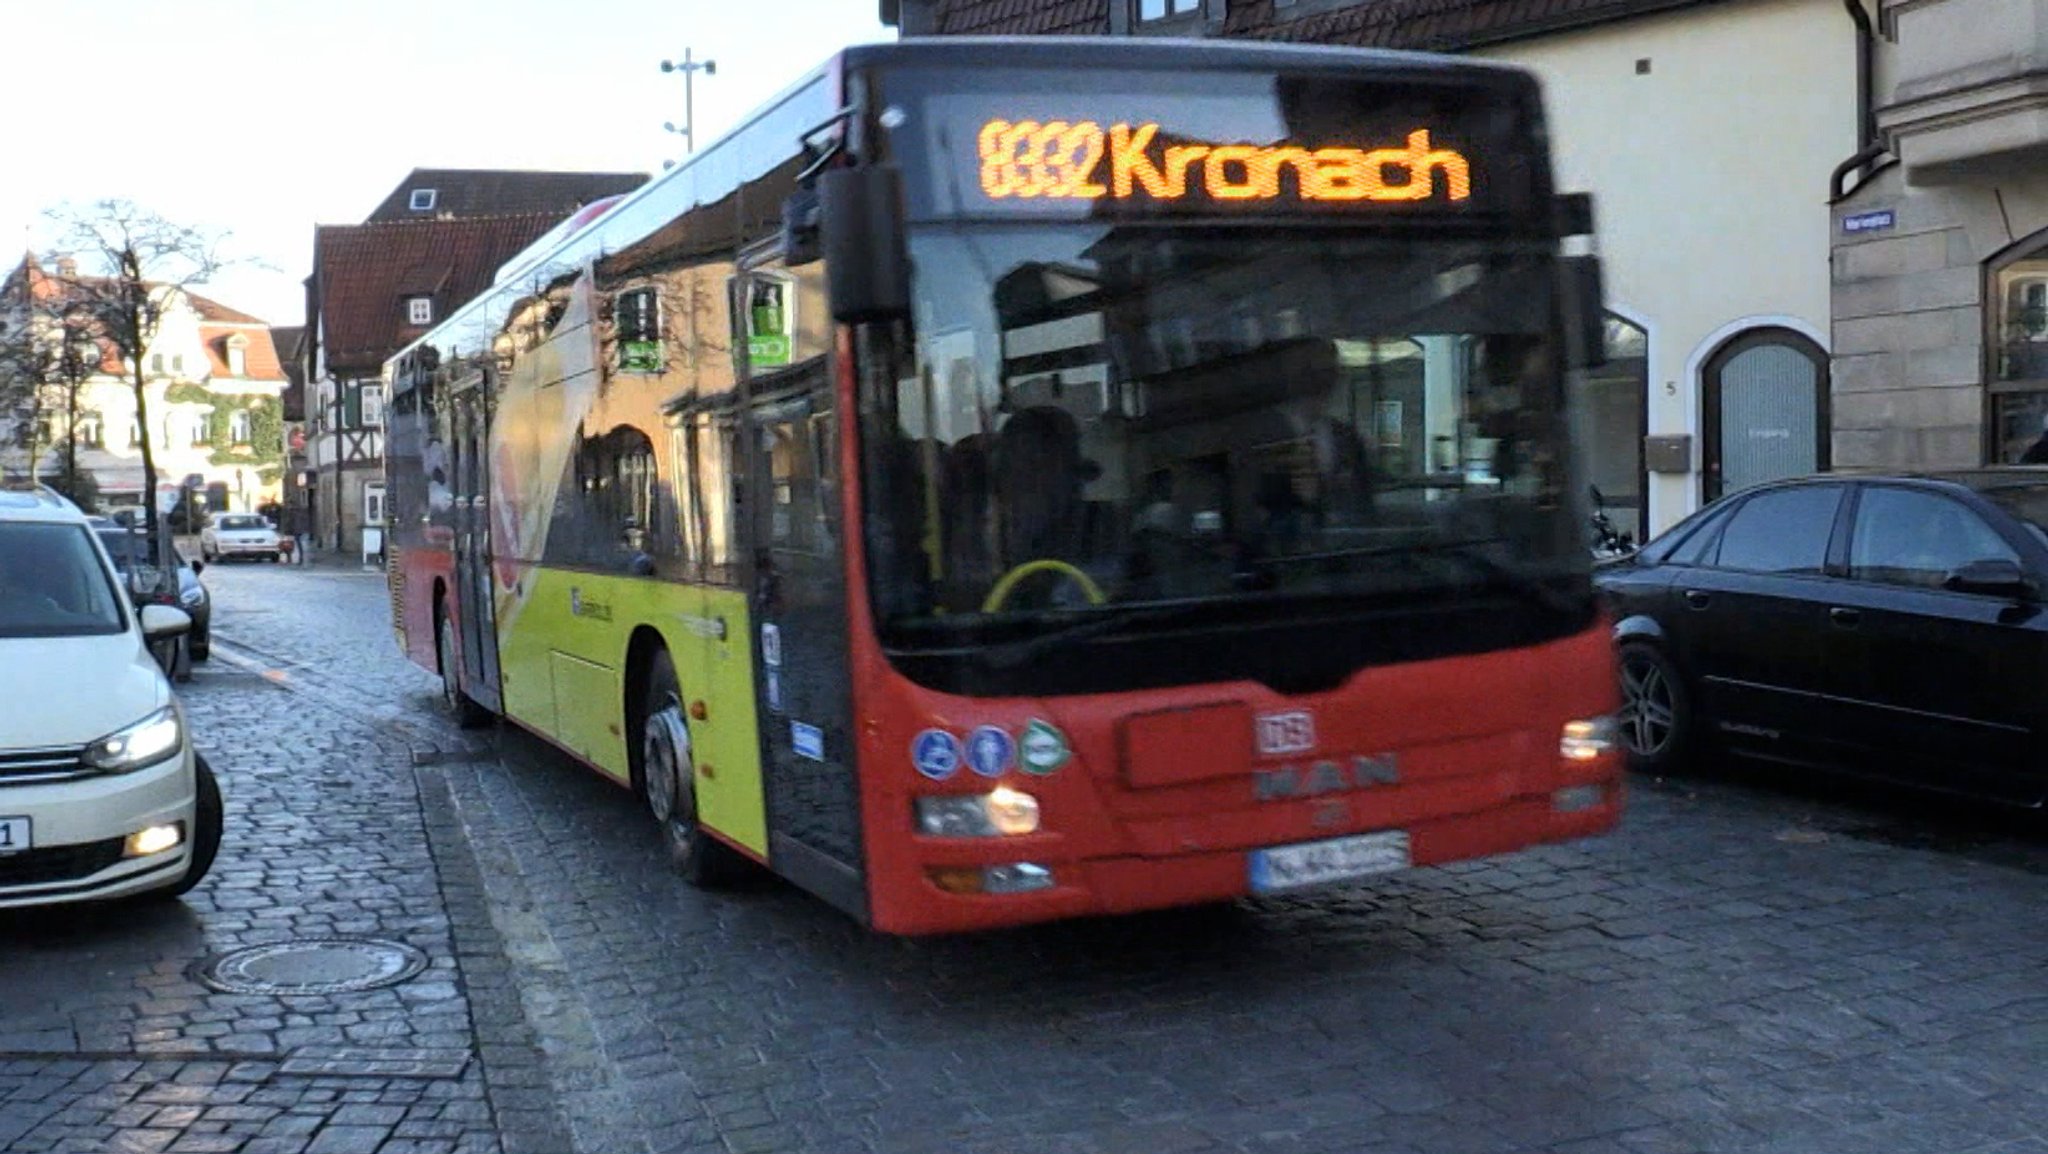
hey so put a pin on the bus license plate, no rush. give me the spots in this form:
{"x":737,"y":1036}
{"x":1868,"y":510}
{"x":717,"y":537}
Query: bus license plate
{"x":1320,"y":862}
{"x":13,"y":835}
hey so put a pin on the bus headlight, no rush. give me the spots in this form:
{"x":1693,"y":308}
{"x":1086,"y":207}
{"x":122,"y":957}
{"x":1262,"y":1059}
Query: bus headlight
{"x":1003,"y":812}
{"x":1587,"y":740}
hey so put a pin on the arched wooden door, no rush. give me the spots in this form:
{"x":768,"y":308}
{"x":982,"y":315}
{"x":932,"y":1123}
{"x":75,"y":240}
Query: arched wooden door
{"x":1765,"y":401}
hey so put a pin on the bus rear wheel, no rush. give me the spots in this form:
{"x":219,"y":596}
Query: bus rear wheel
{"x":467,"y":713}
{"x":668,"y":783}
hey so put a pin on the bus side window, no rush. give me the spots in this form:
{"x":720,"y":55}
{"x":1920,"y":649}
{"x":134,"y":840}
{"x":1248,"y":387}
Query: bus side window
{"x":825,"y":474}
{"x":712,"y":485}
{"x":683,"y":467}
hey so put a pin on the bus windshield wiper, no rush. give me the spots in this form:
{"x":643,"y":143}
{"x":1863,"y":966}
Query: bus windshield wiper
{"x":1107,"y":619}
{"x":1495,"y":573}
{"x":1467,"y":551}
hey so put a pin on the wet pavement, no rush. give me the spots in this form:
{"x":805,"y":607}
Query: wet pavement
{"x":1756,"y":961}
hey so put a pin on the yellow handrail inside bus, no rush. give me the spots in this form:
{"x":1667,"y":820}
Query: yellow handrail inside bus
{"x":1001,"y":592}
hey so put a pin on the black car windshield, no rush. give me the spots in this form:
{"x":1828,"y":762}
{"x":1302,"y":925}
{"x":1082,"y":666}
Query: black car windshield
{"x":1111,"y":416}
{"x":53,"y":584}
{"x":142,"y":565}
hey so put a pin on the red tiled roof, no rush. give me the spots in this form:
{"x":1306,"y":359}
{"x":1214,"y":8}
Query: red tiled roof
{"x":30,"y":279}
{"x":211,"y":310}
{"x":1436,"y":25}
{"x":362,"y":274}
{"x":1429,"y":25}
{"x":1024,"y":17}
{"x":467,"y":192}
{"x":259,"y":357}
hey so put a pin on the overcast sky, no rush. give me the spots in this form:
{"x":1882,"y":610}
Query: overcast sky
{"x":262,"y":118}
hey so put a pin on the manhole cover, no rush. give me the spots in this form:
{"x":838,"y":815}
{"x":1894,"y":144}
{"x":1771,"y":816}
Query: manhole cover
{"x":314,"y":966}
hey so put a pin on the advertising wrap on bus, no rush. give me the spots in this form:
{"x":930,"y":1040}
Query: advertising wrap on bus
{"x":1006,"y":481}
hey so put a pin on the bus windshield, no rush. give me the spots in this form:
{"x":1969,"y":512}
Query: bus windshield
{"x":1105,"y":417}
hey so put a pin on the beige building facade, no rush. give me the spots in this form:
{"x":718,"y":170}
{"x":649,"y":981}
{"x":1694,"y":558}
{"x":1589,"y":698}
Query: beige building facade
{"x":1940,"y":253}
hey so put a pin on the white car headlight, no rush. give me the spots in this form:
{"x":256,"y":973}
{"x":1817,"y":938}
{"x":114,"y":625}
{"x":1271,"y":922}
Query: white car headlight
{"x":152,"y":740}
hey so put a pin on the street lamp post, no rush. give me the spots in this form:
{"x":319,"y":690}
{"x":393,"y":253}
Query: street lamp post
{"x":689,"y":68}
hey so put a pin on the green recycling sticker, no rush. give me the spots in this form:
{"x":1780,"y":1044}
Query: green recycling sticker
{"x":1043,"y":748}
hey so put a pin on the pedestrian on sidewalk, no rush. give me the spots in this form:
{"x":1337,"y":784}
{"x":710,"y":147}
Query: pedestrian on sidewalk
{"x":290,"y":525}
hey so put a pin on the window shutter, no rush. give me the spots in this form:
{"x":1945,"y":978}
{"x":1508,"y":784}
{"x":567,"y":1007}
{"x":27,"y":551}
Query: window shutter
{"x":352,"y":406}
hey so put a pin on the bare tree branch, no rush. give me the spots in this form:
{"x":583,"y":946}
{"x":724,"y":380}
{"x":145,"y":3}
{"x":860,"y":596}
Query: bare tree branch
{"x":125,"y":267}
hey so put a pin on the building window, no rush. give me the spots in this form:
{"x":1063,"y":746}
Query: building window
{"x":1167,"y":9}
{"x":156,"y":362}
{"x":178,"y":362}
{"x":238,"y":360}
{"x":1615,"y":401}
{"x":200,"y":429}
{"x":373,"y":406}
{"x":134,"y":434}
{"x":419,"y":310}
{"x":422,"y":200}
{"x":636,"y":319}
{"x":239,"y":427}
{"x":2018,"y":371}
{"x":90,"y":431}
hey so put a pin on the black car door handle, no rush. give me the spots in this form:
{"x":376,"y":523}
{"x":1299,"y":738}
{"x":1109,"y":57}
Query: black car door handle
{"x":1846,"y":618}
{"x":1697,"y":600}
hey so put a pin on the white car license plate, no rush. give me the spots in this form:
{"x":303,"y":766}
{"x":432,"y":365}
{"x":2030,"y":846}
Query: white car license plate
{"x":1317,"y":863}
{"x":13,"y":835}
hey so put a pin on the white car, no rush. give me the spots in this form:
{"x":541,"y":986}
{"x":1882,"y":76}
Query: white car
{"x":238,"y":535}
{"x":101,"y":793}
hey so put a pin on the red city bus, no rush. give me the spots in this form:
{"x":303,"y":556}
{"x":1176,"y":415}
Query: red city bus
{"x":1011,"y":480}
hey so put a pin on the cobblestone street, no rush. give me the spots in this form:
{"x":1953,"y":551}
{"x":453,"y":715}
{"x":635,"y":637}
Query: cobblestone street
{"x":1750,"y":964}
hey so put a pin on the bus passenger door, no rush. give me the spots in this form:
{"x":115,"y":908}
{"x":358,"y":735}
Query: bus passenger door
{"x":475,"y":599}
{"x":797,"y":586}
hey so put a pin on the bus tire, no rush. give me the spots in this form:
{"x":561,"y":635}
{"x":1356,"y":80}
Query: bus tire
{"x":467,"y":713}
{"x":668,"y":782}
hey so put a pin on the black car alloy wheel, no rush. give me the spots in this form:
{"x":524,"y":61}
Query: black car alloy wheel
{"x":1655,"y":712}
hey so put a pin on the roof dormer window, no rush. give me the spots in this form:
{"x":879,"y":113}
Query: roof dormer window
{"x":1151,"y":10}
{"x":419,"y":310}
{"x":422,"y":200}
{"x":238,"y":356}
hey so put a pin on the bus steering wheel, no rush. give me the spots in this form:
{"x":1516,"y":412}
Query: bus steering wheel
{"x":1001,"y":593}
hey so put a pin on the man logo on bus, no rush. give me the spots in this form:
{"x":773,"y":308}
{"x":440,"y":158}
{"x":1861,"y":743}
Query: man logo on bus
{"x":1063,"y":160}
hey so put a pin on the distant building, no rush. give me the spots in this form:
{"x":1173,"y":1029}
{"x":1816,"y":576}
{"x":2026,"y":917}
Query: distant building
{"x":215,"y":401}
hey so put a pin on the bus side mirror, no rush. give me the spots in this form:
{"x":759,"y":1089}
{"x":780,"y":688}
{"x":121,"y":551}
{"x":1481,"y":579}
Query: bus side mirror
{"x":1586,"y":303}
{"x":867,"y":270}
{"x":800,"y":244}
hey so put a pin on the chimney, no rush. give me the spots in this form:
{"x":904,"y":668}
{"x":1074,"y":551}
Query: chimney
{"x":911,"y":17}
{"x":67,"y":267}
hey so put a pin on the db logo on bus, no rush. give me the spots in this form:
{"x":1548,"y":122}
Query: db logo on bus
{"x":1284,"y":733}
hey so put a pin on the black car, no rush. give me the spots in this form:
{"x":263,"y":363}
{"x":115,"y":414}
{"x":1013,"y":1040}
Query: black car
{"x":148,"y":584}
{"x":1893,"y":625}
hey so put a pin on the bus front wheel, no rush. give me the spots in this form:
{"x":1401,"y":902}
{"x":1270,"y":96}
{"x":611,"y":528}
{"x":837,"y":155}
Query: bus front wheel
{"x":668,"y":783}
